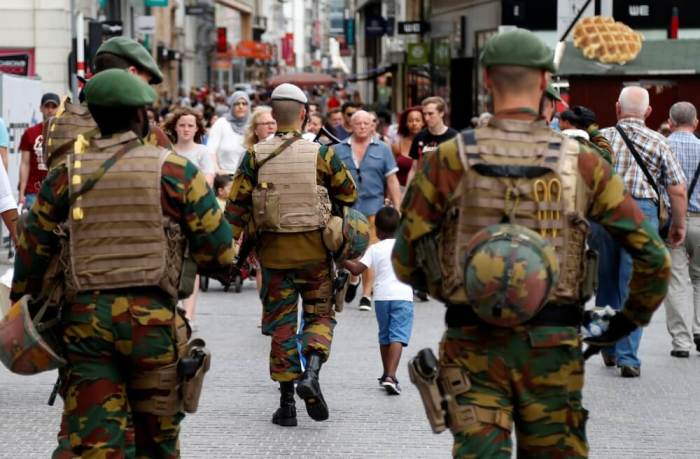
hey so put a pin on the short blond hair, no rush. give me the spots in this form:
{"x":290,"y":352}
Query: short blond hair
{"x":438,"y":101}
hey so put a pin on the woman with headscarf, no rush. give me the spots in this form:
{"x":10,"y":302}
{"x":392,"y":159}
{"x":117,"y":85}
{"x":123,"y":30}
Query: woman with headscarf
{"x":225,"y":142}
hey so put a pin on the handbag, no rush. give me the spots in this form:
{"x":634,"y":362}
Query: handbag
{"x":663,"y":213}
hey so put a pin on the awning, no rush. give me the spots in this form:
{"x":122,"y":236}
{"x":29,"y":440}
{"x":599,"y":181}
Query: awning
{"x":253,"y":50}
{"x":303,"y":79}
{"x":370,"y":74}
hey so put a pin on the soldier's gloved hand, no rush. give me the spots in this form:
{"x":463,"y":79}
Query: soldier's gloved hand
{"x":620,"y":326}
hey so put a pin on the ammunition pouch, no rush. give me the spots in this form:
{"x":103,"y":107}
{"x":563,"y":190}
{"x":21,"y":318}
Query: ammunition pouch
{"x":320,"y":307}
{"x":439,"y":390}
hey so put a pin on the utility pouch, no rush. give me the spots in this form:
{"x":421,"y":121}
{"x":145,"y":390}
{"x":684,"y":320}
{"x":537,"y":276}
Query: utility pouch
{"x":590,"y":277}
{"x":340,"y":287}
{"x":266,"y":207}
{"x":191,"y":370}
{"x":187,"y":277}
{"x":157,"y":391}
{"x":423,"y":372}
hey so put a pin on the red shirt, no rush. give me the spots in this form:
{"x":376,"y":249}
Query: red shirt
{"x":33,"y":142}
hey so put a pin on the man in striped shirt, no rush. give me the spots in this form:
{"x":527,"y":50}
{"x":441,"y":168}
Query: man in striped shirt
{"x":685,"y":258}
{"x":632,"y":108}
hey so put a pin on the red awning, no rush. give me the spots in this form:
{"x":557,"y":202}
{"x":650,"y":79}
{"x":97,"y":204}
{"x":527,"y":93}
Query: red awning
{"x":254,"y":50}
{"x":303,"y":79}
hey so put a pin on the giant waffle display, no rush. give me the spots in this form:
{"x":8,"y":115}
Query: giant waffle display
{"x":603,"y":39}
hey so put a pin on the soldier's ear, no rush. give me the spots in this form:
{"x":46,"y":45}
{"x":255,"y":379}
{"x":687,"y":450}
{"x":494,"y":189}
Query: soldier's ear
{"x":488,"y":84}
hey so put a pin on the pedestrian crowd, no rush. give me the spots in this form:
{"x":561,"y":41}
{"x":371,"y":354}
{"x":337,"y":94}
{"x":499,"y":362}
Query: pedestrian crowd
{"x":541,"y":202}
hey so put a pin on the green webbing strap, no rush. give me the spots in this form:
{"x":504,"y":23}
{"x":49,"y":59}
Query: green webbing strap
{"x":101,"y":171}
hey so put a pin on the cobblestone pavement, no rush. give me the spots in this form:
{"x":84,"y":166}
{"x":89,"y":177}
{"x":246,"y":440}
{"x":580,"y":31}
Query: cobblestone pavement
{"x":649,"y":417}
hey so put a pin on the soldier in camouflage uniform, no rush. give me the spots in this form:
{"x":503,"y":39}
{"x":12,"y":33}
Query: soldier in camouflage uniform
{"x":73,"y":119}
{"x":281,"y":177}
{"x":529,"y":373}
{"x":116,"y":340}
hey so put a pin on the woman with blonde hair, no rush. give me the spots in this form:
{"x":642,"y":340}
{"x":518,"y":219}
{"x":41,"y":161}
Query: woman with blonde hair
{"x":261,"y":126}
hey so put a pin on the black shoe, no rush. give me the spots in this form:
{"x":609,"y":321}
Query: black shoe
{"x":365,"y":304}
{"x":680,"y":353}
{"x":696,"y":339}
{"x":627,"y":371}
{"x":351,"y":291}
{"x":608,"y":360}
{"x":286,"y":414}
{"x":309,"y":389}
{"x":422,"y":296}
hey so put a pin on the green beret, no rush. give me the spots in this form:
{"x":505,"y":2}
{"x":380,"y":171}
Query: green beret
{"x":518,"y":47}
{"x":553,"y":93}
{"x":118,"y":88}
{"x":132,"y":51}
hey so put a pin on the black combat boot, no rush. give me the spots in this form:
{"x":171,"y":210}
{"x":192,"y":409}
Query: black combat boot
{"x":309,"y":389}
{"x":286,"y":414}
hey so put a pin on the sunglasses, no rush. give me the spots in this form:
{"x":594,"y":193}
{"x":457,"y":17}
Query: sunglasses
{"x":240,"y":103}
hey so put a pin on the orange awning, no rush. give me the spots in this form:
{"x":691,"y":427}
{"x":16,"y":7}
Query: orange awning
{"x":253,"y":50}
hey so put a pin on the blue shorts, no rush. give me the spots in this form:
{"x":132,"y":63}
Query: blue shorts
{"x":395,"y":320}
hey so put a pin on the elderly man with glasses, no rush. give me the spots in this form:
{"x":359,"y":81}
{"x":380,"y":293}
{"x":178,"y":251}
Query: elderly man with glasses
{"x":373,"y":168}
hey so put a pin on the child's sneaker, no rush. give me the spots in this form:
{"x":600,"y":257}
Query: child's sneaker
{"x":365,"y":304}
{"x":391,"y":385}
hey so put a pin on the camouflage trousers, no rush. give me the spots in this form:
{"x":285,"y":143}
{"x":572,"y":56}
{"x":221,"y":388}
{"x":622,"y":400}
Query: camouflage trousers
{"x":529,"y":376}
{"x":105,"y":336}
{"x":280,"y":293}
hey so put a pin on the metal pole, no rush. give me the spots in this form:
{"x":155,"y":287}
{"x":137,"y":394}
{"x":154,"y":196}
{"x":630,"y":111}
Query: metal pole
{"x":80,"y":45}
{"x":73,"y":80}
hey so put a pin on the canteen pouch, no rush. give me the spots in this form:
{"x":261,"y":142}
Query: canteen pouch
{"x":590,"y":277}
{"x":423,"y":372}
{"x":192,"y":370}
{"x":266,"y":207}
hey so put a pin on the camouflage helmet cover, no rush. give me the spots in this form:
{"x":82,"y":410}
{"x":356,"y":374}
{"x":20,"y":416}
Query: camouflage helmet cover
{"x":509,"y":273}
{"x":24,"y":349}
{"x":355,"y":235}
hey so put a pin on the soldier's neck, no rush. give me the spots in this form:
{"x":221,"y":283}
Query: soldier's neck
{"x":516,"y":112}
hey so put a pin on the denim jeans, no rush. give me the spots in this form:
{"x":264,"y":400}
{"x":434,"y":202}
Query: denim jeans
{"x":614,"y":273}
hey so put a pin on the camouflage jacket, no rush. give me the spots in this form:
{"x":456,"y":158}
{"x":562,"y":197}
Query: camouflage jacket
{"x":284,"y":251}
{"x":425,"y":205}
{"x":185,"y":198}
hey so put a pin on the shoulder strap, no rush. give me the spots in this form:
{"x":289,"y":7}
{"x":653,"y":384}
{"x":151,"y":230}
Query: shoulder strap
{"x":100,"y":172}
{"x":694,"y":182}
{"x":280,"y":149}
{"x":638,"y":159}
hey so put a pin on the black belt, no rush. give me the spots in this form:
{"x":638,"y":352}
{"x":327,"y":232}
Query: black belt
{"x":562,"y":315}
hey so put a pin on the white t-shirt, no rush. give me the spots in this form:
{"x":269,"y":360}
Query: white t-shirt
{"x":7,"y":199}
{"x":386,"y":286}
{"x":226,"y":146}
{"x":199,"y":156}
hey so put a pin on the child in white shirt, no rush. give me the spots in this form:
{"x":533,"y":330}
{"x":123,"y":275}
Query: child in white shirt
{"x":393,"y":300}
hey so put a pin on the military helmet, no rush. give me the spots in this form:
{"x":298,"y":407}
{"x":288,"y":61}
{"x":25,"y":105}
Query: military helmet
{"x":355,"y":235}
{"x":26,"y":347}
{"x":509,"y":272}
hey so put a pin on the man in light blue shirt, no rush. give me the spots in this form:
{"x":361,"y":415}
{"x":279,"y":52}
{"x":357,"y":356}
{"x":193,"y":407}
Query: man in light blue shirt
{"x":685,"y":259}
{"x":373,"y":168}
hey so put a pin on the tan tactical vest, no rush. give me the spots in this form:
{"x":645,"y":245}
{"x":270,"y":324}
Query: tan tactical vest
{"x":119,"y":237}
{"x":62,"y":130}
{"x":287,"y":198}
{"x":523,"y":173}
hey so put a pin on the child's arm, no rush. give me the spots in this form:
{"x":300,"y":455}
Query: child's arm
{"x":354,"y":266}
